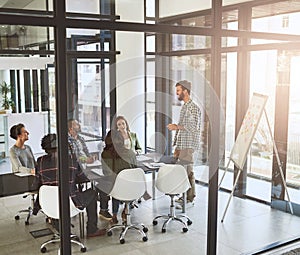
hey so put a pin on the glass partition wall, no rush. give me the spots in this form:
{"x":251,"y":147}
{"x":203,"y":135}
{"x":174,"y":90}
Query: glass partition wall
{"x":99,"y":60}
{"x":262,"y":66}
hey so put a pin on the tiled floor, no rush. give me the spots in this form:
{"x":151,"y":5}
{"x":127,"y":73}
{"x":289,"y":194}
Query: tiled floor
{"x":247,"y":227}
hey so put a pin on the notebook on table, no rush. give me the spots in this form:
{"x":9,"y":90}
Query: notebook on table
{"x":97,"y":171}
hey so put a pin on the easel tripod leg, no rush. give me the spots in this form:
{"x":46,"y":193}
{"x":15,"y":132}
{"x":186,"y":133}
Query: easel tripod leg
{"x":279,"y":163}
{"x":224,"y":174}
{"x":231,"y":194}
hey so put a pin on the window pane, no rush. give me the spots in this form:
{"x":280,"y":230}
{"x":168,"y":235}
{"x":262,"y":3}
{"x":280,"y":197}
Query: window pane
{"x":180,"y":7}
{"x":188,"y":42}
{"x":150,"y":8}
{"x":229,"y":63}
{"x":41,"y":5}
{"x":279,"y":23}
{"x":293,"y":159}
{"x":263,"y":70}
{"x":20,"y":37}
{"x":89,"y":6}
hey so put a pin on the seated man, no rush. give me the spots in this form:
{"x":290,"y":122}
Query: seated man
{"x":79,"y":150}
{"x":47,"y":166}
{"x":77,"y":143}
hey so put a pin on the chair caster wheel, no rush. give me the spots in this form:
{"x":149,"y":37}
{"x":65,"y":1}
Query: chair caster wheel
{"x":109,"y":233}
{"x":185,"y":230}
{"x":17,"y":217}
{"x":145,"y":238}
{"x":83,"y":249}
{"x":189,"y":222}
{"x":131,"y":206}
{"x":163,"y":230}
{"x":122,"y":241}
{"x":139,"y":201}
{"x":43,"y":250}
{"x":26,"y":223}
{"x":145,"y":230}
{"x":154,"y":222}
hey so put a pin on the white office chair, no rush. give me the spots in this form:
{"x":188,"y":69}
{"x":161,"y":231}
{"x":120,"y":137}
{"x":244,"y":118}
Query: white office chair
{"x":129,"y":186}
{"x":49,"y":201}
{"x":29,"y":210}
{"x":172,"y":180}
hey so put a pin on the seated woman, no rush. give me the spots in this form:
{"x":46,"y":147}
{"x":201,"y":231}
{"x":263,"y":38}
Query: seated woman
{"x":130,"y":138}
{"x":115,"y":158}
{"x":21,"y":156}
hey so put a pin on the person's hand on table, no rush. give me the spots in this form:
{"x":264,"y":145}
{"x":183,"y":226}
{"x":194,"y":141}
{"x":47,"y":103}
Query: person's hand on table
{"x":32,"y":171}
{"x":90,"y":160}
{"x":175,"y":127}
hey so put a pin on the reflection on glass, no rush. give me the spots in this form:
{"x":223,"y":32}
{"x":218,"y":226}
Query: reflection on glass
{"x":190,"y":42}
{"x":263,"y":81}
{"x":179,"y":7}
{"x":229,"y":65}
{"x":279,"y":23}
{"x":89,"y":97}
{"x":20,"y":37}
{"x":91,"y":6}
{"x":293,"y":156}
{"x":40,"y":5}
{"x":150,"y":8}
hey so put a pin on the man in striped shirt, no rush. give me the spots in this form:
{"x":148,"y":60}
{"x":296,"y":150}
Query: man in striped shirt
{"x":48,"y":174}
{"x":187,"y":136}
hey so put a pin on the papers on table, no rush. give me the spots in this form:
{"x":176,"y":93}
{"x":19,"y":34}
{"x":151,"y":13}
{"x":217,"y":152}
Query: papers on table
{"x":95,"y":163}
{"x":23,"y":174}
{"x":153,"y":165}
{"x":97,"y":171}
{"x":143,"y":158}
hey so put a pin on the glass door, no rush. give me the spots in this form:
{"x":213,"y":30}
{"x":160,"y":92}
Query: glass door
{"x":89,"y":100}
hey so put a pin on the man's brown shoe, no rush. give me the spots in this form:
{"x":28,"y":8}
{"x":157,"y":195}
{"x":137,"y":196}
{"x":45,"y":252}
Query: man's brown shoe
{"x":114,"y":220}
{"x":99,"y":232}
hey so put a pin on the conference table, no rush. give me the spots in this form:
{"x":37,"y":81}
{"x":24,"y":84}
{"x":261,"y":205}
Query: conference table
{"x":12,"y":184}
{"x":148,"y":162}
{"x":145,"y":161}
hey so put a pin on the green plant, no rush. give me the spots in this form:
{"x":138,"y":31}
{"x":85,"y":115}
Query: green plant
{"x":5,"y":90}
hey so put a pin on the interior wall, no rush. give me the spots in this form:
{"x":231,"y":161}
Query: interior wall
{"x":176,"y":7}
{"x":166,"y":9}
{"x":130,"y":68}
{"x":86,"y":6}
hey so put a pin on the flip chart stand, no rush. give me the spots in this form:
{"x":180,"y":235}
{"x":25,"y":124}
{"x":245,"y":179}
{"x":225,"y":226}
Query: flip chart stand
{"x":256,"y":108}
{"x":279,"y":164}
{"x":233,"y":188}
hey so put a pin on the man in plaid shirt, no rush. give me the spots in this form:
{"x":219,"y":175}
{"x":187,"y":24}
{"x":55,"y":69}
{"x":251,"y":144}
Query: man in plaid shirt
{"x":77,"y":143}
{"x":79,"y":150}
{"x":187,"y":136}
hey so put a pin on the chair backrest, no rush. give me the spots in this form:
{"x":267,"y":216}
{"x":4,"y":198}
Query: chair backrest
{"x":130,"y":184}
{"x":172,"y":179}
{"x":49,"y":201}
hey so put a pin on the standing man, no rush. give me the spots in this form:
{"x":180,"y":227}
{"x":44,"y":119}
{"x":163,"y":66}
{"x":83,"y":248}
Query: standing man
{"x":187,"y":136}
